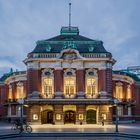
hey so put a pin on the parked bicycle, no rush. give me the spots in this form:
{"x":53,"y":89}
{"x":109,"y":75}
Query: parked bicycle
{"x":21,"y":128}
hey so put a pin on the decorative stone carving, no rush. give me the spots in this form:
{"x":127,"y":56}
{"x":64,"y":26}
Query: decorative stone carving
{"x":35,"y":95}
{"x":69,"y":72}
{"x":47,"y":73}
{"x":104,"y":95}
{"x":20,"y":84}
{"x":91,"y":72}
{"x":91,"y":48}
{"x":70,"y":54}
{"x":80,"y":95}
{"x":69,"y":44}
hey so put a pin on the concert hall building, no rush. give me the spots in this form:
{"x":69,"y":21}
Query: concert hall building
{"x":70,"y":80}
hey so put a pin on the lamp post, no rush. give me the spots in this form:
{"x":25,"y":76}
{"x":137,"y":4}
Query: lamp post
{"x":116,"y":101}
{"x":21,"y":102}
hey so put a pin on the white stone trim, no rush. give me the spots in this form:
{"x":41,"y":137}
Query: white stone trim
{"x":47,"y":70}
{"x":67,"y":64}
{"x":69,"y":70}
{"x":16,"y":78}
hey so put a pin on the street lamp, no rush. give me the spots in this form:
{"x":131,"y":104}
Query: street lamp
{"x":21,"y":102}
{"x":116,"y":101}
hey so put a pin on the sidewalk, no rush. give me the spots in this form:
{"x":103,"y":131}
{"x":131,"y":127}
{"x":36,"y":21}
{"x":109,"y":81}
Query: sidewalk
{"x":5,"y":128}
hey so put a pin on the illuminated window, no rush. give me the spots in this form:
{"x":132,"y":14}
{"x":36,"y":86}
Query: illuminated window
{"x":119,"y":90}
{"x":20,"y":91}
{"x":48,"y":87}
{"x":69,"y":83}
{"x":128,"y":96}
{"x":91,"y":83}
{"x":10,"y":96}
{"x":47,"y":84}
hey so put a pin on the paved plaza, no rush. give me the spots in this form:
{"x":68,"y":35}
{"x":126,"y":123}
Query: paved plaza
{"x":73,"y":138}
{"x":45,"y":128}
{"x":134,"y":128}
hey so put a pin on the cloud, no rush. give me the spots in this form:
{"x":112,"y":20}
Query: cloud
{"x":26,"y":21}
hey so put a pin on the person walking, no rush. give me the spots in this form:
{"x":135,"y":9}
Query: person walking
{"x":102,"y":121}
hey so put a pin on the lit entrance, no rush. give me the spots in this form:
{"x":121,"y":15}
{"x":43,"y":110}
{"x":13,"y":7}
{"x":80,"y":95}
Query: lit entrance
{"x":69,"y":117}
{"x":47,"y":117}
{"x":91,"y":116}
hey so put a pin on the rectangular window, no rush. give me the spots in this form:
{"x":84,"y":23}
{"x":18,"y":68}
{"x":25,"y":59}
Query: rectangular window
{"x":10,"y":96}
{"x":48,"y":87}
{"x":119,"y":91}
{"x":20,"y":92}
{"x":69,"y":86}
{"x":90,"y":86}
{"x":128,"y":93}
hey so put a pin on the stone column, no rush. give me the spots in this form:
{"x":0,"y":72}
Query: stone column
{"x":58,"y":114}
{"x":102,"y":80}
{"x":14,"y":90}
{"x":35,"y":109}
{"x":9,"y":110}
{"x":80,"y":83}
{"x":58,"y":83}
{"x":25,"y":88}
{"x":81,"y":110}
{"x":33,"y":80}
{"x":107,"y":110}
{"x":109,"y":81}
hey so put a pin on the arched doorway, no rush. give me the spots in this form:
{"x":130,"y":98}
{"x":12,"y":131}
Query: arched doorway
{"x":91,"y":116}
{"x":69,"y":117}
{"x":47,"y":116}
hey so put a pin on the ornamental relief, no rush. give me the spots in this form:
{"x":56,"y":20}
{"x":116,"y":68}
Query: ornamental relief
{"x":70,"y":54}
{"x":47,"y":72}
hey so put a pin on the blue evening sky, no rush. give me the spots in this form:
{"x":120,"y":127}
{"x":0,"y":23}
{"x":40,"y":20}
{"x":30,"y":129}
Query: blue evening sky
{"x":23,"y":22}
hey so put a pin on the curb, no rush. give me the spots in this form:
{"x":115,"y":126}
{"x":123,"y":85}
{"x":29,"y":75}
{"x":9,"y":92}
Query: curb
{"x":71,"y":134}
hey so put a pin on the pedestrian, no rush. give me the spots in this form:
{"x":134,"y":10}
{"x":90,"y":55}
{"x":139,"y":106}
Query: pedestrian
{"x":102,"y":121}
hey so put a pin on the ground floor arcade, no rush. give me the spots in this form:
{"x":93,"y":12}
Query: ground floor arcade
{"x":69,"y":114}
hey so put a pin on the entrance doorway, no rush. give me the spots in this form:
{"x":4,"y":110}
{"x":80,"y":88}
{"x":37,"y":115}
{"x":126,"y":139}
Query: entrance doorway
{"x":91,"y":117}
{"x":69,"y":117}
{"x":47,"y":117}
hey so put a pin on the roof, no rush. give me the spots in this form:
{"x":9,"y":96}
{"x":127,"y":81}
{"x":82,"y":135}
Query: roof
{"x":11,"y":73}
{"x":69,"y":38}
{"x":129,"y":72}
{"x":5,"y":76}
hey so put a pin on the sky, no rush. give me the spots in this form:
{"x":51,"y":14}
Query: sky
{"x":23,"y":22}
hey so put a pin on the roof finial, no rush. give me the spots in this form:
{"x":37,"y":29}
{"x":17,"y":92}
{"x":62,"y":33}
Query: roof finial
{"x":69,"y":15}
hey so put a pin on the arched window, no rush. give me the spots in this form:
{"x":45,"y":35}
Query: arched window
{"x":129,"y":94}
{"x":119,"y":90}
{"x":48,"y":83}
{"x":10,"y":95}
{"x":20,"y":91}
{"x":69,"y":83}
{"x":91,"y":83}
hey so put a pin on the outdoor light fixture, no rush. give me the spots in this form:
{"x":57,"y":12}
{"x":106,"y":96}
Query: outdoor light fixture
{"x":117,"y":101}
{"x":35,"y":117}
